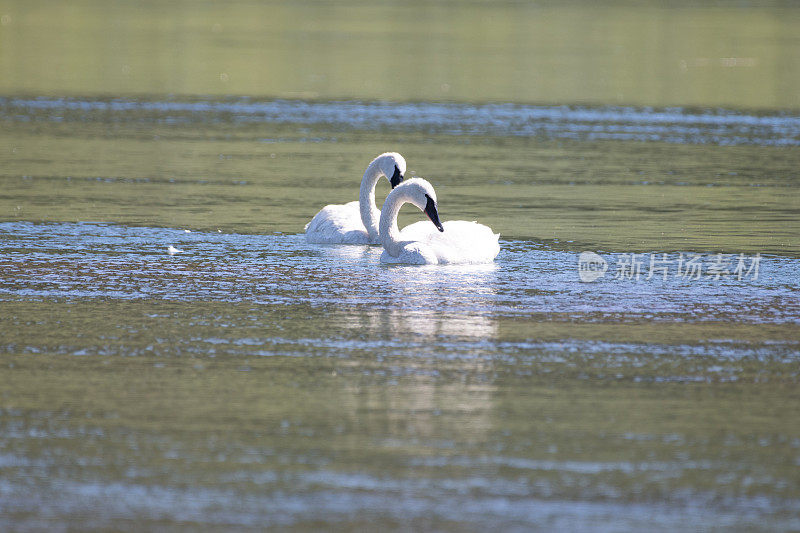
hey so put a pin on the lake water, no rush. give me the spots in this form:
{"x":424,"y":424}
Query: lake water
{"x":255,"y":381}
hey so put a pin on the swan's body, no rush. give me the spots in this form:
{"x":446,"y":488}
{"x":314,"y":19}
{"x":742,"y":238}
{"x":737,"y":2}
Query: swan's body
{"x":357,"y":222}
{"x":338,"y":224}
{"x":420,"y":244}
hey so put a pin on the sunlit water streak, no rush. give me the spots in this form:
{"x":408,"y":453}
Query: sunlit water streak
{"x":477,"y":501}
{"x":413,"y":318}
{"x":673,"y":125}
{"x":101,"y":260}
{"x":280,"y":497}
{"x":462,"y":303}
{"x":253,"y":381}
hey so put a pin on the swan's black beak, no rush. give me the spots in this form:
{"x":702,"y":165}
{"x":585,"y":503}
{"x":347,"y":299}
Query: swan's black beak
{"x":430,"y":210}
{"x":396,"y":178}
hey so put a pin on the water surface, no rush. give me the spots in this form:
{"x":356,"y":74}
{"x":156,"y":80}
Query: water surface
{"x":611,"y":178}
{"x":260,"y":381}
{"x":254,"y":381}
{"x":725,"y":54}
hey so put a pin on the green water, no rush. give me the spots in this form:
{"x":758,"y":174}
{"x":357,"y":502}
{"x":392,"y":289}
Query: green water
{"x":649,"y":53}
{"x":606,"y":195}
{"x":256,"y":382}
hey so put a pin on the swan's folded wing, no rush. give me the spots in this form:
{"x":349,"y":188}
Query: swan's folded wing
{"x":418,"y":231}
{"x":464,"y":242}
{"x":337,"y":224}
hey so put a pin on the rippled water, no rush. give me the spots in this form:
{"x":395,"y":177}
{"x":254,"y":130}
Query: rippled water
{"x":261,"y":381}
{"x":129,"y":263}
{"x":253,"y":380}
{"x":249,"y":380}
{"x":672,"y":125}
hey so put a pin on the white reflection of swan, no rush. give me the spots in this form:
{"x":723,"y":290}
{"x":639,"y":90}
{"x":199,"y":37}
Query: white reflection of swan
{"x":456,"y":242}
{"x":357,"y":222}
{"x":429,"y":324}
{"x":432,"y":302}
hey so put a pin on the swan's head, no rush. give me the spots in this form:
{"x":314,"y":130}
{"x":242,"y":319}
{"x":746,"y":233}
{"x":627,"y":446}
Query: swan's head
{"x":420,"y":193}
{"x":393,"y":166}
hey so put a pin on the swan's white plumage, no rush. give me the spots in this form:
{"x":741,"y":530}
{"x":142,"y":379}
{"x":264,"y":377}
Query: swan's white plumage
{"x":461,"y":242}
{"x":355,"y":222}
{"x":338,"y":224}
{"x":422,"y":243}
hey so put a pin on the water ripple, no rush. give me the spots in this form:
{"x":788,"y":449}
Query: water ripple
{"x":673,"y":125}
{"x":104,"y":260}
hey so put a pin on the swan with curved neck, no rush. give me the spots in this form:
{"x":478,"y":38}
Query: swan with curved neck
{"x":421,"y":244}
{"x":357,"y":222}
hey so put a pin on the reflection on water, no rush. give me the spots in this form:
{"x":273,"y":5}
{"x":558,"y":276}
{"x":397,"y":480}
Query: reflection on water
{"x":470,"y":309}
{"x":254,"y":381}
{"x":102,"y":260}
{"x":256,"y":372}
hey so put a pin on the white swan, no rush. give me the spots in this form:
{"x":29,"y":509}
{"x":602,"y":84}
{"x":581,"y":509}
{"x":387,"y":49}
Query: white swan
{"x":419,"y":244}
{"x":357,"y":222}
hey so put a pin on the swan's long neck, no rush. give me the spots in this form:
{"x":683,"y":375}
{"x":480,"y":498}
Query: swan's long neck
{"x":366,"y":199}
{"x":390,"y":233}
